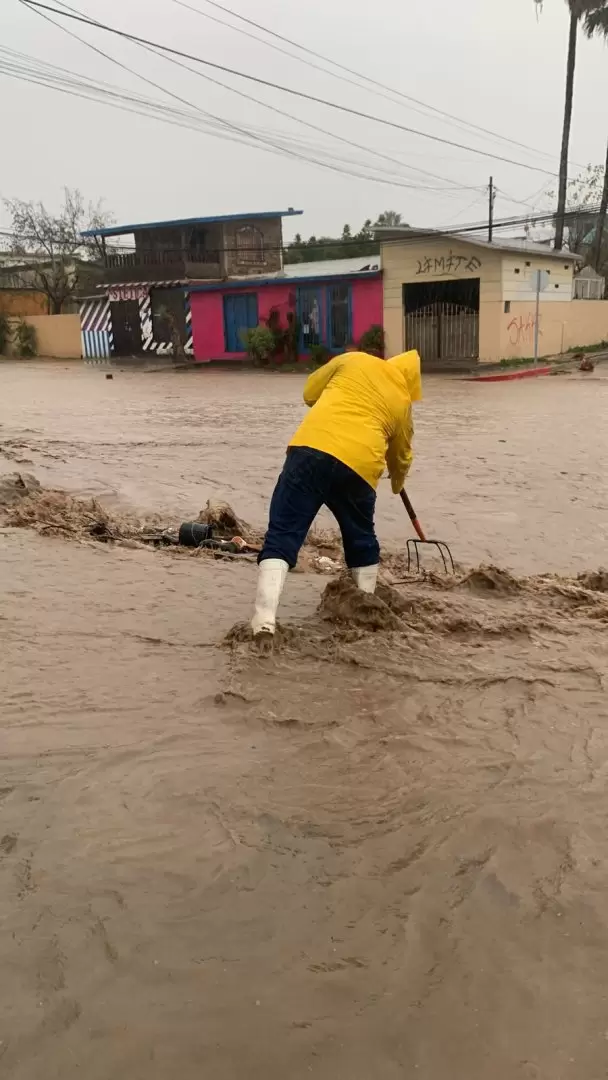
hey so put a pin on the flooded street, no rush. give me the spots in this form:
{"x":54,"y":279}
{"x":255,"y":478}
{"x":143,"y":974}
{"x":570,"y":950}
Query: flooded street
{"x":372,"y":856}
{"x":513,"y":474}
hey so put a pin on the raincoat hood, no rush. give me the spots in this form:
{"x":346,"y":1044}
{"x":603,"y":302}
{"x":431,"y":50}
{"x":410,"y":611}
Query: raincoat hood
{"x":408,"y":365}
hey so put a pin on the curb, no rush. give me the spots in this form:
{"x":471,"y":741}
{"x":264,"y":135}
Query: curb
{"x":509,"y":376}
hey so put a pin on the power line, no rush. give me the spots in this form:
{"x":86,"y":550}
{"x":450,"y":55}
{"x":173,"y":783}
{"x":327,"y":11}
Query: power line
{"x":289,"y":116}
{"x":248,"y":133}
{"x":416,"y":236}
{"x":285,"y":89}
{"x":380,"y":86}
{"x":91,"y":91}
{"x":151,"y":109}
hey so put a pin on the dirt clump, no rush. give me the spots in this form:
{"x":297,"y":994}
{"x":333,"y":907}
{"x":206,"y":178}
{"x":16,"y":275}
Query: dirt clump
{"x":242,"y":634}
{"x":490,"y":579}
{"x":343,"y":603}
{"x":596,"y":580}
{"x":17,"y":486}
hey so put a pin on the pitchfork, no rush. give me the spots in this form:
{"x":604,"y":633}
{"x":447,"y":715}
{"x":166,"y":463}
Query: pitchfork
{"x":413,"y":546}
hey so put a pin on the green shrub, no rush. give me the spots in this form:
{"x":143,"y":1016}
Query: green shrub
{"x":373,"y":341}
{"x":5,"y":332}
{"x":24,"y":337}
{"x":260,"y":343}
{"x":319,"y":354}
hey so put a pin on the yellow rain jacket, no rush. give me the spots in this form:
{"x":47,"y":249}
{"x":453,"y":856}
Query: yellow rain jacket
{"x":362,"y":413}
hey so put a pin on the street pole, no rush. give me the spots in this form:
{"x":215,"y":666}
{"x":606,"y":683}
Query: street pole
{"x":601,"y":222}
{"x":537,"y":320}
{"x":491,"y":211}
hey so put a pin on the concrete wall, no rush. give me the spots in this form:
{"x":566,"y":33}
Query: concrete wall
{"x":406,"y":262}
{"x":208,"y":312}
{"x":519,"y":278}
{"x":208,"y":318}
{"x":562,"y":326}
{"x":58,"y":336}
{"x":20,"y":302}
{"x":367,"y":305}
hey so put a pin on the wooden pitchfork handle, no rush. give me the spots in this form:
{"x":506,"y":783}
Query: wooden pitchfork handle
{"x":412,"y":514}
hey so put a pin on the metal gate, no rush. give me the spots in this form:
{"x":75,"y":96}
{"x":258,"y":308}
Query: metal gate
{"x":126,"y":325}
{"x":443,"y":331}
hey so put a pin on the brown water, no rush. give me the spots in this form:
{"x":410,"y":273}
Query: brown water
{"x":370,"y":856}
{"x":514,"y":473}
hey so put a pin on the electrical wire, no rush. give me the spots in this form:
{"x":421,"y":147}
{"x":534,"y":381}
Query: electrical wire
{"x":249,"y":134}
{"x":416,"y":236}
{"x":376,"y":87}
{"x":150,"y":109}
{"x":285,"y":89}
{"x":292,"y":117}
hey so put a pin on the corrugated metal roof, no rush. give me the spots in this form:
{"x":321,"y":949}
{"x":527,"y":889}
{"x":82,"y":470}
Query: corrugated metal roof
{"x":122,"y":230}
{"x":255,"y":282}
{"x":371,"y":264}
{"x":333,"y":266}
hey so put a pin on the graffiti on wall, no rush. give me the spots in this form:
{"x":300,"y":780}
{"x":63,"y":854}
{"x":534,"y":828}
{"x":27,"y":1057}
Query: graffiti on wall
{"x":521,"y":329}
{"x":448,"y":264}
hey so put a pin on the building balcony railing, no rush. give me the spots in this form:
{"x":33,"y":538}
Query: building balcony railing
{"x":132,"y":266}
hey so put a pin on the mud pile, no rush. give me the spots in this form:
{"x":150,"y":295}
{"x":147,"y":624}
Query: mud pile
{"x":25,"y":504}
{"x":444,"y":616}
{"x":342,"y":604}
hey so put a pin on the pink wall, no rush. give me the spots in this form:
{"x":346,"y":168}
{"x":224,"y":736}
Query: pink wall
{"x":367,"y":305}
{"x":208,"y":312}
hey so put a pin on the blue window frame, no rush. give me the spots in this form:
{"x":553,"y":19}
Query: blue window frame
{"x":240,"y":314}
{"x":325,"y":316}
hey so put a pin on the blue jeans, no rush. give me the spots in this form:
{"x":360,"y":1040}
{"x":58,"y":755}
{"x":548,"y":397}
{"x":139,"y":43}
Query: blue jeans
{"x":311,"y":479}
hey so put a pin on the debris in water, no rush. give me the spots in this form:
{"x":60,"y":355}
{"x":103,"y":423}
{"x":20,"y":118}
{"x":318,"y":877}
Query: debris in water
{"x":224,"y":521}
{"x":17,"y":486}
{"x":325,"y":565}
{"x":596,"y":580}
{"x":55,"y":512}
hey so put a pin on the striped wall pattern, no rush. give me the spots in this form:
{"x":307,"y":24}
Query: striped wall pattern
{"x":147,"y":331}
{"x":189,"y":346}
{"x":145,"y":318}
{"x":96,"y":328}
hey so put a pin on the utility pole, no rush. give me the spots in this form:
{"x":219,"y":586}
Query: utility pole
{"x":492,"y":191}
{"x":601,"y":222}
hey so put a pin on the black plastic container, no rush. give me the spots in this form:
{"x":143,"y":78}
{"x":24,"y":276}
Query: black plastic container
{"x":193,"y":533}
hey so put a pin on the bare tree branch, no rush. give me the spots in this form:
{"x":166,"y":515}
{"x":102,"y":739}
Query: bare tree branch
{"x":52,"y":245}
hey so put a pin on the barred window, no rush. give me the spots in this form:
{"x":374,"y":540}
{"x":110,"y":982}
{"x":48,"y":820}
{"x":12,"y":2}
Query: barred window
{"x":249,"y":245}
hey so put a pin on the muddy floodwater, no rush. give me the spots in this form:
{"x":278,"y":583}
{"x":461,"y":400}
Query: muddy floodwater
{"x":380,"y":853}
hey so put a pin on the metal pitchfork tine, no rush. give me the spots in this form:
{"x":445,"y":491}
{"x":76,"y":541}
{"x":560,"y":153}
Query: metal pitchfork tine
{"x":414,"y":545}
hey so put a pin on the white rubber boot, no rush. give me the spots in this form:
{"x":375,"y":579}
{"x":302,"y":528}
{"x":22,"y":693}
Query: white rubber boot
{"x":271,"y":579}
{"x":365,"y":577}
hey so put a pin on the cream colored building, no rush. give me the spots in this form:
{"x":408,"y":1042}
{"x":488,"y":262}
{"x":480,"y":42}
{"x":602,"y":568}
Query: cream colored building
{"x":456,"y":298}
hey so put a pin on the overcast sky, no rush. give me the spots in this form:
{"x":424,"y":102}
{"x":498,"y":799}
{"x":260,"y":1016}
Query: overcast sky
{"x":489,"y":62}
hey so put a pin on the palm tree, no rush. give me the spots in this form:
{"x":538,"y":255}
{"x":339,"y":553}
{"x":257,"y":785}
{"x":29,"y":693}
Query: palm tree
{"x":596,"y":23}
{"x":596,"y":20}
{"x":595,"y":16}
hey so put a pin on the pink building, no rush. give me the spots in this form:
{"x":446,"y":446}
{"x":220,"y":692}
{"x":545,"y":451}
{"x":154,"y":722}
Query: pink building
{"x":332,"y":308}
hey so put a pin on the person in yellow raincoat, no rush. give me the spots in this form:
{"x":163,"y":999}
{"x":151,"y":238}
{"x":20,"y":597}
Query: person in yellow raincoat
{"x":360,"y":422}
